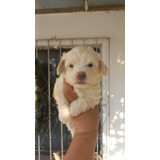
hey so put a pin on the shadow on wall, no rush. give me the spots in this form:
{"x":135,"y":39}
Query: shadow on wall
{"x":117,"y":133}
{"x":117,"y":123}
{"x":120,"y":60}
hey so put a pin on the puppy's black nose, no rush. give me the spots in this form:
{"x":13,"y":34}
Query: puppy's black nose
{"x":81,"y":75}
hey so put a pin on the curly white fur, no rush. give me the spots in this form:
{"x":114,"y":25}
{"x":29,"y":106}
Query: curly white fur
{"x":80,"y":59}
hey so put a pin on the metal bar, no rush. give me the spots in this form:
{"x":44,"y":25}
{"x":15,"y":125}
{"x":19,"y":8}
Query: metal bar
{"x":108,"y":143}
{"x":61,"y":141}
{"x":39,"y":148}
{"x":67,"y":45}
{"x":97,"y":147}
{"x":60,"y":49}
{"x":49,"y":105}
{"x":36,"y":49}
{"x":96,"y":45}
{"x":52,"y":39}
{"x":105,"y":102}
{"x":97,"y":135}
{"x":39,"y":139}
{"x":61,"y":122}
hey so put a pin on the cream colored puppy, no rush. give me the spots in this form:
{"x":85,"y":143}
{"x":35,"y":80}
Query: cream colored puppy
{"x":82,"y":68}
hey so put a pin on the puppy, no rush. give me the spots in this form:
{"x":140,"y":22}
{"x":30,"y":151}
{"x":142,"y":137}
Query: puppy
{"x":82,"y":68}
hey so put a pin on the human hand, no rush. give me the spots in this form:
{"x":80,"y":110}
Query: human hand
{"x":68,"y":92}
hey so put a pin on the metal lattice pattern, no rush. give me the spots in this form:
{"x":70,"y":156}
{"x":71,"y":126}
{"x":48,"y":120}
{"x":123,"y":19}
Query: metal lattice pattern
{"x":55,"y":136}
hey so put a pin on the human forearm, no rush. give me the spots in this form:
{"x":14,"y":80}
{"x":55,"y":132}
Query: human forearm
{"x":82,"y":146}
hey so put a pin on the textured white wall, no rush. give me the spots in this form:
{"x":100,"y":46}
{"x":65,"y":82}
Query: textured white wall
{"x":97,"y":24}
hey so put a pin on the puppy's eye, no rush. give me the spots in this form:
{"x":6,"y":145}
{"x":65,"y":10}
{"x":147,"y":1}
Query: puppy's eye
{"x":90,"y":65}
{"x":71,"y":65}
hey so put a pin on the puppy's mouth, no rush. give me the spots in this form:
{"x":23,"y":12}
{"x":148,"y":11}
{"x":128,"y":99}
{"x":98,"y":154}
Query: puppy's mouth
{"x":81,"y":82}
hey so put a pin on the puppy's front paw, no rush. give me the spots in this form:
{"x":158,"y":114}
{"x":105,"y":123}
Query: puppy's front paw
{"x":75,"y":110}
{"x":64,"y":115}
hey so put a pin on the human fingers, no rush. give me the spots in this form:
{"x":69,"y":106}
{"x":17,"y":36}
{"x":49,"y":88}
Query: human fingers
{"x":69,"y":92}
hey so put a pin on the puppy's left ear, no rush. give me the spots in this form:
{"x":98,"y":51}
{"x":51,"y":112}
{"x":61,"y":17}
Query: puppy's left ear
{"x":60,"y":67}
{"x":103,"y":67}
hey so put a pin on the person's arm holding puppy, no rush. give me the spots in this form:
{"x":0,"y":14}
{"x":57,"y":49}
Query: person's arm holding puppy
{"x":86,"y":130}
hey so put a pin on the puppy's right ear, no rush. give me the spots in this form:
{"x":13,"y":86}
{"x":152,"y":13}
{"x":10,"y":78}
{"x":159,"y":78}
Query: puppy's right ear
{"x":60,"y":67}
{"x":103,"y":67}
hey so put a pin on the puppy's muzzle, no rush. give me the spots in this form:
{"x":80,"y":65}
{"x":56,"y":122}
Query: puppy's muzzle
{"x":81,"y":76}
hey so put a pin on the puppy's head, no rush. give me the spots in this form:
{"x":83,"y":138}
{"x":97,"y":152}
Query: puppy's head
{"x":82,"y":67}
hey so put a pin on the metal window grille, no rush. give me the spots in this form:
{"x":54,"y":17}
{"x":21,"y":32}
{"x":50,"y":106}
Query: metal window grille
{"x":48,"y":53}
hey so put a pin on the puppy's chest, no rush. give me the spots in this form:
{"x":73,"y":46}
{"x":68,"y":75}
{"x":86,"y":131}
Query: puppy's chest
{"x":88,"y":92}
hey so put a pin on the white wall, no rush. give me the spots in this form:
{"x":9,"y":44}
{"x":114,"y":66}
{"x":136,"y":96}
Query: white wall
{"x":96,"y":24}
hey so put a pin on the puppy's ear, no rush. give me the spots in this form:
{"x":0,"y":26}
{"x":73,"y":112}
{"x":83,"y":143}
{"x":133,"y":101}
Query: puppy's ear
{"x":103,"y":67}
{"x":60,"y":67}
